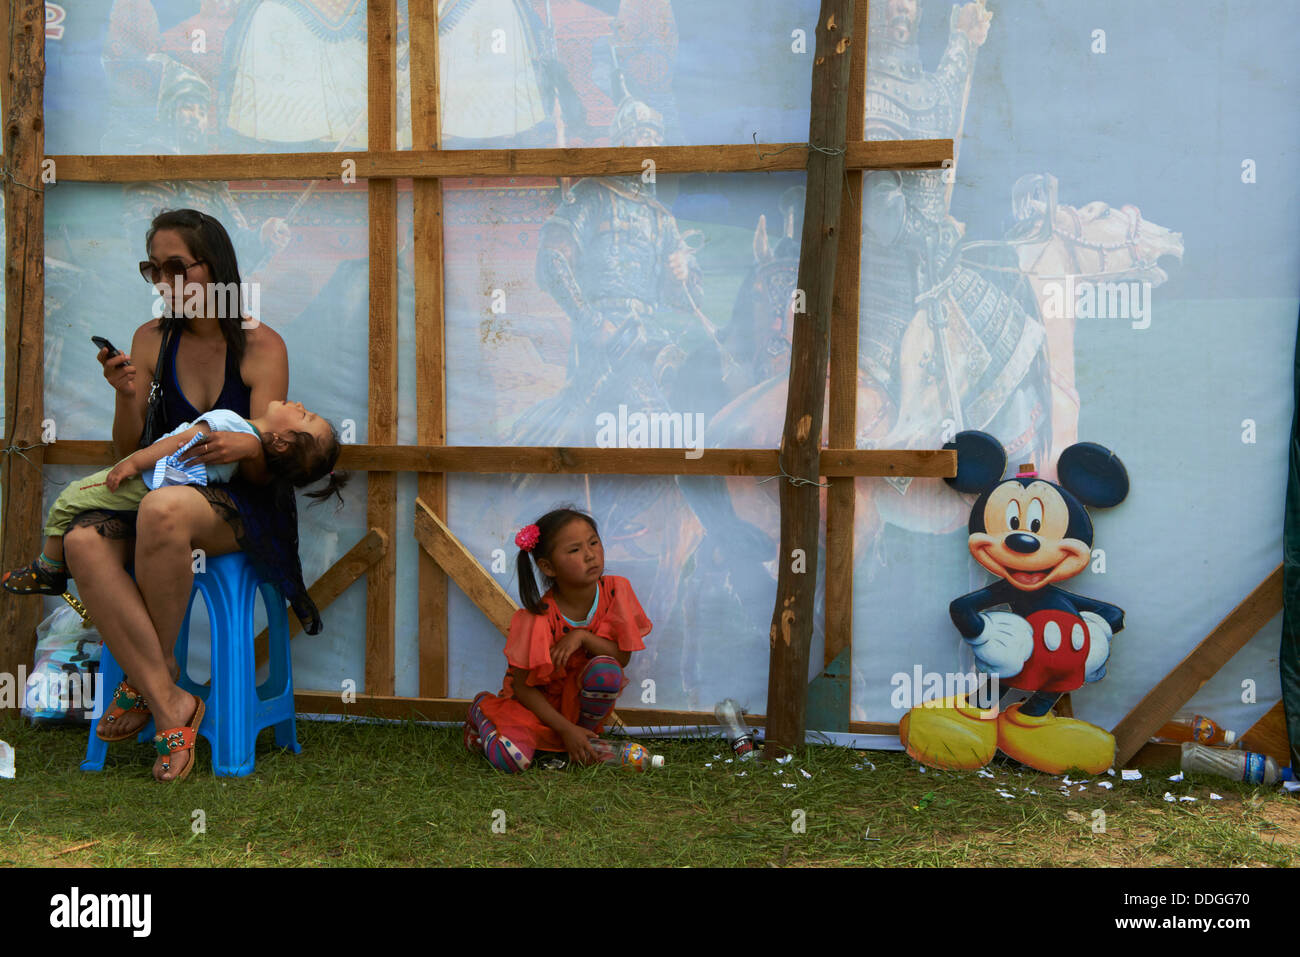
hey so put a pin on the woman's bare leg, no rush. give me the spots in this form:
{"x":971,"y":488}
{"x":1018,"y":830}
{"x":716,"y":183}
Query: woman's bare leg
{"x":99,"y":566}
{"x":172,"y":522}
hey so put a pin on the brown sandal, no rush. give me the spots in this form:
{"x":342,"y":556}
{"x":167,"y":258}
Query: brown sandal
{"x":180,"y":739}
{"x":126,"y":700}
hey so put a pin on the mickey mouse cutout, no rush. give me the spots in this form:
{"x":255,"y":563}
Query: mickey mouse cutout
{"x":1031,"y":534}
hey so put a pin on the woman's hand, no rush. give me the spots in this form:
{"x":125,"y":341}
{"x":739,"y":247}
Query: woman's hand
{"x":122,"y":471}
{"x":119,"y":372}
{"x":564,"y":648}
{"x":575,"y":742}
{"x":222,"y":448}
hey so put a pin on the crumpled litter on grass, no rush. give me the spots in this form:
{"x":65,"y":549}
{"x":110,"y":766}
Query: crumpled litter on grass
{"x":1105,"y":784}
{"x":1131,"y":775}
{"x":1215,"y":797}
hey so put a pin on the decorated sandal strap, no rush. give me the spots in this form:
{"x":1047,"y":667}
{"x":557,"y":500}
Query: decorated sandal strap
{"x":128,"y":699}
{"x":176,"y":739}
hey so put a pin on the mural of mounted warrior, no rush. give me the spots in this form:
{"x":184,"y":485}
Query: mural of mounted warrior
{"x":1081,"y":262}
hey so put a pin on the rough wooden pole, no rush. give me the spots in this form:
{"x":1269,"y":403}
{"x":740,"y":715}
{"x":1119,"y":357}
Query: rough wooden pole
{"x":843,"y":411}
{"x":20,"y":478}
{"x":430,"y":342}
{"x":792,"y":618}
{"x":381,"y":500}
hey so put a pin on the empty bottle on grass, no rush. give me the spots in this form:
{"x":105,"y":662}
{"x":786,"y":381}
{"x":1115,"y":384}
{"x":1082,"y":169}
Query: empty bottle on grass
{"x":1237,"y":765}
{"x":627,"y":754}
{"x":1198,"y":728}
{"x":742,"y":739}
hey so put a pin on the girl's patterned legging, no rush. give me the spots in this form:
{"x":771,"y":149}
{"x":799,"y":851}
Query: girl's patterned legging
{"x":601,"y":681}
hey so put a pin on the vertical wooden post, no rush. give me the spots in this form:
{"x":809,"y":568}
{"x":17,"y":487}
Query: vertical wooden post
{"x":844,"y":372}
{"x":21,"y":475}
{"x":430,"y":339}
{"x":791,"y":632}
{"x":381,"y":505}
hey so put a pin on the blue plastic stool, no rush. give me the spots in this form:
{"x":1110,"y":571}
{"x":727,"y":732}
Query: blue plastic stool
{"x":236,"y":709}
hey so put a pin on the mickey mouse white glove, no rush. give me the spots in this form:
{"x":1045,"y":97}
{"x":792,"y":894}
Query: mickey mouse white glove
{"x":1094,"y":669}
{"x":1004,"y":645}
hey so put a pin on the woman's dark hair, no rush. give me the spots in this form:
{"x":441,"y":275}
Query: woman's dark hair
{"x":306,"y":460}
{"x":548,"y":526}
{"x":207,"y":240}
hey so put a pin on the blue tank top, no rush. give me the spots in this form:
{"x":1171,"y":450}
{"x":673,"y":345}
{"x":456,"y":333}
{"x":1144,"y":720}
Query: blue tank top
{"x":234,"y":396}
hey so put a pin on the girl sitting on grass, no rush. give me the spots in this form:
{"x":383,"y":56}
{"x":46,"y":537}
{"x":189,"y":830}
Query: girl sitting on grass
{"x":566,"y":650}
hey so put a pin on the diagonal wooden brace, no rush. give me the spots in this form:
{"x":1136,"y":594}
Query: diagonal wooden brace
{"x":1205,"y":660}
{"x":334,"y":582}
{"x":454,"y":558}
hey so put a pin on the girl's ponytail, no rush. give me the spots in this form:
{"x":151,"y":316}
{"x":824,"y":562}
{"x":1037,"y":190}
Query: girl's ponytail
{"x":529,"y":598}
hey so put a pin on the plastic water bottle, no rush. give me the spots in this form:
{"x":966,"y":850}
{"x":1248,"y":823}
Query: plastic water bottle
{"x":742,"y":739}
{"x":1237,"y":765}
{"x":1198,"y":728}
{"x":627,"y":755}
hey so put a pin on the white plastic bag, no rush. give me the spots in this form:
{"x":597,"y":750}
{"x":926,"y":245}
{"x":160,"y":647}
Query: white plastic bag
{"x":62,"y":683}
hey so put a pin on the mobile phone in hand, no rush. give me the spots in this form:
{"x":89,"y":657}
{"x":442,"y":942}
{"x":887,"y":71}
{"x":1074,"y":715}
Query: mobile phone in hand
{"x":105,"y":344}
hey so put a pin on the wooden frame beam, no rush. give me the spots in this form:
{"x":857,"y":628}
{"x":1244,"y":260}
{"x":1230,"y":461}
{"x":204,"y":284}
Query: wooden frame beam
{"x":381,"y":490}
{"x":555,"y":460}
{"x":396,"y":708}
{"x":430,"y":348}
{"x":478,"y":164}
{"x":843,"y":426}
{"x":24,"y":362}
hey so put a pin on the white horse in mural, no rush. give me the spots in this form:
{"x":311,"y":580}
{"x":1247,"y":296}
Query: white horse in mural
{"x":1082,"y":262}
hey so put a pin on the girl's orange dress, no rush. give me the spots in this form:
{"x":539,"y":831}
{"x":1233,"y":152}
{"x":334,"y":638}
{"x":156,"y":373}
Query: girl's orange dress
{"x":618,"y":618}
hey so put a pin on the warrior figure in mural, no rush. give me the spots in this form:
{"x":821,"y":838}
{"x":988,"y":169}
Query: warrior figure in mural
{"x":612,"y":257}
{"x":944,"y":347}
{"x":184,"y":106}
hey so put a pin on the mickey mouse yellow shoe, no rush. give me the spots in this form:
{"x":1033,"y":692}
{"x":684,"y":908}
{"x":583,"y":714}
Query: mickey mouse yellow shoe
{"x":1054,"y":744}
{"x":950,"y":734}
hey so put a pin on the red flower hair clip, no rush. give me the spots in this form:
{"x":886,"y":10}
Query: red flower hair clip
{"x":527,"y":537}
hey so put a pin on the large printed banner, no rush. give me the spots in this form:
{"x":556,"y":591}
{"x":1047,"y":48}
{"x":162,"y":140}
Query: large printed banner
{"x":1111,"y":259}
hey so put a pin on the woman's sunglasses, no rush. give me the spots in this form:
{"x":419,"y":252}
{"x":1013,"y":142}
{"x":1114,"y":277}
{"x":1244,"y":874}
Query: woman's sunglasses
{"x":169,"y":269}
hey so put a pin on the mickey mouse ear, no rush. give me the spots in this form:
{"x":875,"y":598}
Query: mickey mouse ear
{"x":1093,"y":473}
{"x":981,"y":461}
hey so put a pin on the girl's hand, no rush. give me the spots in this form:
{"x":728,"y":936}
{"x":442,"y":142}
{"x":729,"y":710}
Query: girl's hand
{"x":566,"y":646}
{"x":222,"y":448}
{"x":119,"y":372}
{"x":575,"y":742}
{"x":122,"y":471}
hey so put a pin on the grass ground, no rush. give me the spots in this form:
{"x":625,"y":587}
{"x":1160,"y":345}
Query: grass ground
{"x":405,"y":795}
